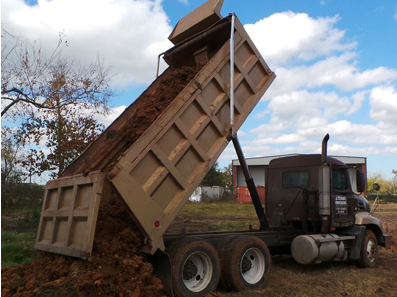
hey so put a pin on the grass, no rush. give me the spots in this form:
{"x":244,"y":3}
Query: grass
{"x":17,"y":248}
{"x":215,"y":216}
{"x":18,"y":234}
{"x":219,"y":208}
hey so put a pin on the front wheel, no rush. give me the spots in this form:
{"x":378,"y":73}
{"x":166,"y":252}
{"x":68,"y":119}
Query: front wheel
{"x":246,"y":264}
{"x":369,"y":250}
{"x":195,"y":268}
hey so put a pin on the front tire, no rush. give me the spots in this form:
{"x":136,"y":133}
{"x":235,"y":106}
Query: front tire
{"x":195,"y":268}
{"x":246,"y":264}
{"x":369,"y":250}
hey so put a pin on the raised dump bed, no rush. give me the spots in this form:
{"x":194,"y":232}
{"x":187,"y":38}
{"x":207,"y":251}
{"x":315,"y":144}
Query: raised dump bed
{"x":159,"y":150}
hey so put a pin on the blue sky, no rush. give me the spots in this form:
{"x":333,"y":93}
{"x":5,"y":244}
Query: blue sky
{"x":335,"y":63}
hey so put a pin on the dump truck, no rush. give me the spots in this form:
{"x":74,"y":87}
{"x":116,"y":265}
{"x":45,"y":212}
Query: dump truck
{"x":155,"y":154}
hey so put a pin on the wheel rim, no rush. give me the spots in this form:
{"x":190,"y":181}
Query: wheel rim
{"x":252,"y":265}
{"x":197,"y":271}
{"x":371,"y":250}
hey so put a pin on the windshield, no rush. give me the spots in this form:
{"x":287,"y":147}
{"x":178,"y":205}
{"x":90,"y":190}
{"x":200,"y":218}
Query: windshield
{"x":339,"y":179}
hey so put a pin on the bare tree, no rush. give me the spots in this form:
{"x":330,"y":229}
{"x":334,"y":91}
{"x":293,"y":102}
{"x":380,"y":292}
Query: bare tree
{"x":56,"y":99}
{"x":28,"y":74}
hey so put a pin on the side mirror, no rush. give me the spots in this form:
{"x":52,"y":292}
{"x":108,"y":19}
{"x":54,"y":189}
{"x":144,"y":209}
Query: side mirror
{"x":360,"y":181}
{"x":376,"y":187}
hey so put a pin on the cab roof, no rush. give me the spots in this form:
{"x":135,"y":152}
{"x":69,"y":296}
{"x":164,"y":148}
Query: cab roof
{"x":303,"y":160}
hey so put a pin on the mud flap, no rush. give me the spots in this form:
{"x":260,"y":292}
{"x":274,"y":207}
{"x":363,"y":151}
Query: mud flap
{"x":162,"y":269}
{"x":386,"y":239}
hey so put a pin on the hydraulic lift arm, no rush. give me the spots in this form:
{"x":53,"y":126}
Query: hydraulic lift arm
{"x":260,"y":211}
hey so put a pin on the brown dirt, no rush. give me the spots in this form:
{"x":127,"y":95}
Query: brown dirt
{"x":156,"y":101}
{"x":133,"y":122}
{"x":116,"y":267}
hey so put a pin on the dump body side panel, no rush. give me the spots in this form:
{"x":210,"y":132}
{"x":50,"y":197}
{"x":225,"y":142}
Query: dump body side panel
{"x":157,"y":175}
{"x":69,"y":215}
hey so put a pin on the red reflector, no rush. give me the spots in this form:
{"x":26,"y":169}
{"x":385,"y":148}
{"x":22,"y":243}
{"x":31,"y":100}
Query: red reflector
{"x":157,"y":223}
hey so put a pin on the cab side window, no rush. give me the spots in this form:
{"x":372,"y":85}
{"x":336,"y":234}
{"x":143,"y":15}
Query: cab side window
{"x":296,"y":179}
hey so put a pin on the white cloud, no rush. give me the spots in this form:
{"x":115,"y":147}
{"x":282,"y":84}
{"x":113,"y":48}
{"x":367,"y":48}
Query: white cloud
{"x":357,"y":98}
{"x":297,"y":107}
{"x":107,"y":119}
{"x":334,"y":71}
{"x":128,"y":35}
{"x":282,"y":139}
{"x":391,"y":150}
{"x":287,"y":36}
{"x":321,"y":89}
{"x":383,"y":100}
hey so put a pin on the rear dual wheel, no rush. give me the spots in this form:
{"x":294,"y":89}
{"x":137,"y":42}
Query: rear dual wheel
{"x":246,"y":264}
{"x":195,"y":268}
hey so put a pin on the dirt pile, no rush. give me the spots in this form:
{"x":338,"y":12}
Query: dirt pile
{"x":133,"y":122}
{"x":116,"y":267}
{"x":155,"y":100}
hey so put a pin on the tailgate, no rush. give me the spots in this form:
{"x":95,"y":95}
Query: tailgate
{"x":69,"y":215}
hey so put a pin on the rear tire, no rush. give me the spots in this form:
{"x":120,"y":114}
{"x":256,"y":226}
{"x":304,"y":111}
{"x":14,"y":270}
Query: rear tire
{"x":195,"y":268}
{"x":369,"y":250}
{"x":246,"y":264}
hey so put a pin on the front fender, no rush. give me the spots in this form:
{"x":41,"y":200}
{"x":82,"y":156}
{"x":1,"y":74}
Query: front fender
{"x":366,"y":219}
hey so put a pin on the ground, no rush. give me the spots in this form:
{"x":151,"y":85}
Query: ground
{"x":290,"y":279}
{"x":117,"y":268}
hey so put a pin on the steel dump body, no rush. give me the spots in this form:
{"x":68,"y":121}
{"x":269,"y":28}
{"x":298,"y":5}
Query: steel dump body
{"x":158,"y":172}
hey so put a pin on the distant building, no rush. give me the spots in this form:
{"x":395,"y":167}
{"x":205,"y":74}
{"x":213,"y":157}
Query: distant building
{"x":257,"y":167}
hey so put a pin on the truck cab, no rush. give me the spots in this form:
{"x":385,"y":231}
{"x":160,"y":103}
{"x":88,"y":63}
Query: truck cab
{"x":313,"y":194}
{"x":293,"y":193}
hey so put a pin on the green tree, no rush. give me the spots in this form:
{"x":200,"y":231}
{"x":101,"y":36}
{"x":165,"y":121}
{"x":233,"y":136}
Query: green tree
{"x":218,"y":177}
{"x":228,"y":177}
{"x":394,"y":182}
{"x":386,"y":186}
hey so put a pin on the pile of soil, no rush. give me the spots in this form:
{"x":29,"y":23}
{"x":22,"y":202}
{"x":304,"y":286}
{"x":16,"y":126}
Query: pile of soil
{"x":104,"y":152}
{"x":116,"y":268}
{"x":156,"y":100}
